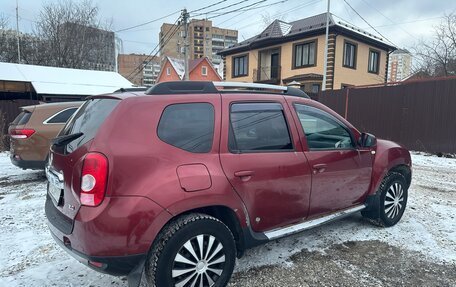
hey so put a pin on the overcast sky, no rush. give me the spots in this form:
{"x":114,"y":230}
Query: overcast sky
{"x":403,"y":22}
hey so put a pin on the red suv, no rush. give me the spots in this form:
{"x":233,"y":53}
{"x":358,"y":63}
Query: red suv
{"x":180,"y":180}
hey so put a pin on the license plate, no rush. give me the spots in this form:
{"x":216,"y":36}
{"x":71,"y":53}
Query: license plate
{"x":54,"y":192}
{"x":55,"y":185}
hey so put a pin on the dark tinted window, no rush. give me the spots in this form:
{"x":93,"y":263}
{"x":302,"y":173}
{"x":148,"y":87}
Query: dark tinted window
{"x":349,"y":55}
{"x":62,"y":116}
{"x":87,"y":121}
{"x":188,"y":126}
{"x":22,"y":118}
{"x":322,"y":130}
{"x":258,"y":127}
{"x":240,"y":66}
{"x":374,"y":58}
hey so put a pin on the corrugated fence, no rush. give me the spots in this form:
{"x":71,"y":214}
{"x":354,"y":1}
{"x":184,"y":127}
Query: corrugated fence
{"x":421,"y":115}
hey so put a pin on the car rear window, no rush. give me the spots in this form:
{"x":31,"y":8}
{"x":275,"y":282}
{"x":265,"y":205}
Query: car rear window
{"x":22,"y":118}
{"x":188,"y":126}
{"x":62,"y":116}
{"x":87,"y":121}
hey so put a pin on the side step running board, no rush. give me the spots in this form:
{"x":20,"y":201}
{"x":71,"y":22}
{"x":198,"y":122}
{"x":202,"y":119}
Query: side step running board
{"x":284,"y":231}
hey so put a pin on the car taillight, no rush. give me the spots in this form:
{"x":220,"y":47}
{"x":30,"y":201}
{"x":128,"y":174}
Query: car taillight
{"x":22,"y":133}
{"x":94,"y":179}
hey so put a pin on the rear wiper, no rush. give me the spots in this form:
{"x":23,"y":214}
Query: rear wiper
{"x":63,"y":140}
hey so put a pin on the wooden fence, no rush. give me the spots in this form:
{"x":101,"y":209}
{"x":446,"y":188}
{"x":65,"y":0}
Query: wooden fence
{"x":421,"y":115}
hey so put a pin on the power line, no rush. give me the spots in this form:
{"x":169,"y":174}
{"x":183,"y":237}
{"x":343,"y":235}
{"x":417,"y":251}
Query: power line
{"x":166,"y":16}
{"x":237,"y":10}
{"x":137,"y":70}
{"x":263,"y":6}
{"x":208,"y":6}
{"x":242,"y":12}
{"x":219,"y":24}
{"x":221,"y":8}
{"x":388,"y":18}
{"x":284,"y":12}
{"x":368,"y":23}
{"x":148,"y":22}
{"x":410,"y":22}
{"x":147,"y":61}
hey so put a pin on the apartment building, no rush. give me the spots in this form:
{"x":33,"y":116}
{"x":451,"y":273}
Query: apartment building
{"x":204,"y":40}
{"x":145,"y":75}
{"x":400,"y":65}
{"x":293,"y":53}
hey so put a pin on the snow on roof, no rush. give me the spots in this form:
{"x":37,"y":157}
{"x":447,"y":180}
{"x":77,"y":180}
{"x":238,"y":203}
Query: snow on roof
{"x":63,"y":81}
{"x":178,"y":65}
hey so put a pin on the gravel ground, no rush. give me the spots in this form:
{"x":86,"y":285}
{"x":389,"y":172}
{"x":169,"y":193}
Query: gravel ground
{"x":419,"y":251}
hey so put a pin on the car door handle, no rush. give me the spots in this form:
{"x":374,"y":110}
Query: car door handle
{"x":244,"y":175}
{"x":319,"y":168}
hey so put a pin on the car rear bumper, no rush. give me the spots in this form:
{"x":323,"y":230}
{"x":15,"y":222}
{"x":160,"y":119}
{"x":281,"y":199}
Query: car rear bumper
{"x":27,"y":164}
{"x":113,"y":238}
{"x":113,"y":265}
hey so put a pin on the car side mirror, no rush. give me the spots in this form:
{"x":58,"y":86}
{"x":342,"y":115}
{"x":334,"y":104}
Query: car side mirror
{"x":367,"y":140}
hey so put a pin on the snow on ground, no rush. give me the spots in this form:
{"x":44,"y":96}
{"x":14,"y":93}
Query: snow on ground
{"x":29,"y":256}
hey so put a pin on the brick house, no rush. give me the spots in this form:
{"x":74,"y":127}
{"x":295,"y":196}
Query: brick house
{"x":199,"y":70}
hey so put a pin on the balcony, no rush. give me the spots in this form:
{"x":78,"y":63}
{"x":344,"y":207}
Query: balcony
{"x":267,"y":75}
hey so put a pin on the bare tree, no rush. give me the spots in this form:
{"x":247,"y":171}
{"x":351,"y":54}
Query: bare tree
{"x":73,"y":35}
{"x":4,"y":21}
{"x":268,"y":18}
{"x":437,"y":56}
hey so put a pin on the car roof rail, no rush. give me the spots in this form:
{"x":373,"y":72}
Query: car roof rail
{"x":239,"y":86}
{"x":202,"y":87}
{"x":182,"y":87}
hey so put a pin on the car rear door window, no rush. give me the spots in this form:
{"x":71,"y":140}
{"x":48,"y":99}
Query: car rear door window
{"x":61,"y":117}
{"x":258,"y":127}
{"x":188,"y":126}
{"x":322,"y":130}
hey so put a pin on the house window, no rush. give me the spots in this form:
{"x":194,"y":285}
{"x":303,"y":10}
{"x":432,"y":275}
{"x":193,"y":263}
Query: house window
{"x":315,"y":88}
{"x":374,"y":61}
{"x":349,"y":55}
{"x":204,"y":70}
{"x":168,"y":71}
{"x":304,"y":55}
{"x":240,"y":66}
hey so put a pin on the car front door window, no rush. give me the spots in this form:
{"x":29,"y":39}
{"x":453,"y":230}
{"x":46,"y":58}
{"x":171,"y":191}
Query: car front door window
{"x":323,"y":131}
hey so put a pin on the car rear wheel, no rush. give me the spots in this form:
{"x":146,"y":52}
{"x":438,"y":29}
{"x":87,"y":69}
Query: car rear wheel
{"x":390,"y":202}
{"x":193,"y":250}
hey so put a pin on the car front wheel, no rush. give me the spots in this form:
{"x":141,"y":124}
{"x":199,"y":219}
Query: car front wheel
{"x":193,"y":250}
{"x":390,"y":202}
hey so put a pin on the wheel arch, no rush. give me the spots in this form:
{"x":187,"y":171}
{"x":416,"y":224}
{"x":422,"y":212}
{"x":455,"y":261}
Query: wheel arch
{"x":405,"y":170}
{"x":228,"y":217}
{"x":221,"y":212}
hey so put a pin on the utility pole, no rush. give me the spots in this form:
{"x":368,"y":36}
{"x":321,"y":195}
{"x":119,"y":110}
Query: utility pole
{"x":325,"y":64}
{"x":185,"y":17}
{"x":17,"y":33}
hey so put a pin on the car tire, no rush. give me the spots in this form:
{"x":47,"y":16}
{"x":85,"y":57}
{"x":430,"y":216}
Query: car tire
{"x":390,"y":201}
{"x":196,"y":242}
